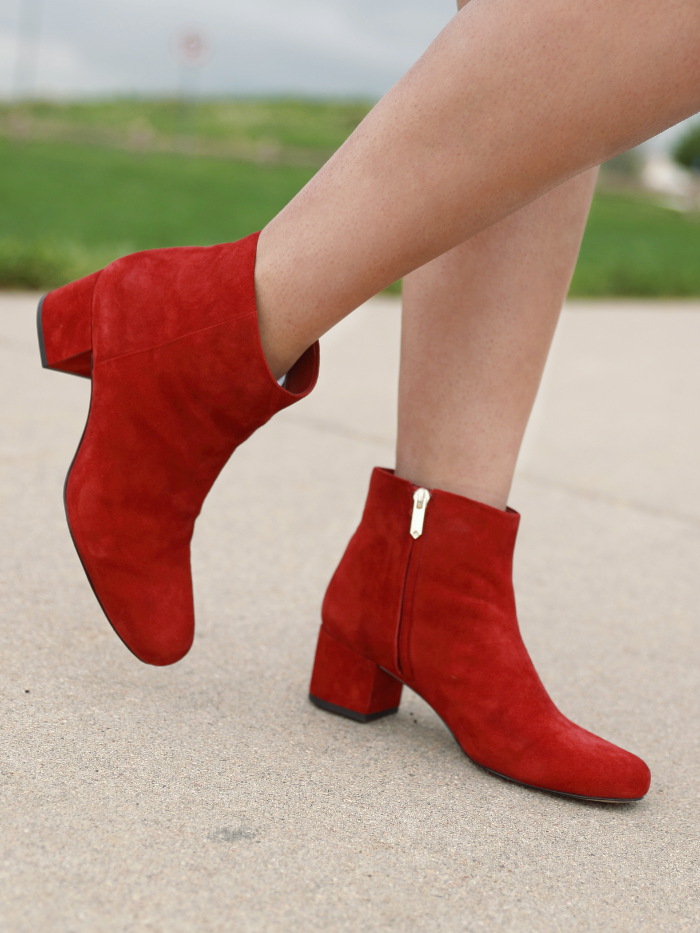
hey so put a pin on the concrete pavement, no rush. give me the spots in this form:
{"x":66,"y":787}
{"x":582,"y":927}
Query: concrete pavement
{"x":212,"y":796}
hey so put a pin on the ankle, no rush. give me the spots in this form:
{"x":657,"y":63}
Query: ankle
{"x":493,"y":495}
{"x":279,"y":363}
{"x":278,"y":357}
{"x":280,"y":337}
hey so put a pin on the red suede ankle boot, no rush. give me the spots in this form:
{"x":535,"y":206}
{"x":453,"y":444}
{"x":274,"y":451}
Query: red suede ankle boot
{"x":423,"y":597}
{"x":179,"y":380}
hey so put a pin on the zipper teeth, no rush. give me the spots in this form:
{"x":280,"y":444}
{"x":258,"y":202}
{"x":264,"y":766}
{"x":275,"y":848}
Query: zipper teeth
{"x":400,"y":627}
{"x":421,"y":498}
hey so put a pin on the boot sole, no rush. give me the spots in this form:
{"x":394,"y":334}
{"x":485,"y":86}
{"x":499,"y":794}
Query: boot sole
{"x":72,"y":537}
{"x":40,"y":334}
{"x":350,"y":713}
{"x":359,"y":717}
{"x":47,"y":365}
{"x":557,"y":793}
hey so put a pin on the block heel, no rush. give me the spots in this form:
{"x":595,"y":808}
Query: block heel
{"x":64,"y":325}
{"x":345,"y":683}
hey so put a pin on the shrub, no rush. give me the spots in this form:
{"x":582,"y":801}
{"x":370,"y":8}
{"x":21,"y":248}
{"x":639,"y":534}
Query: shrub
{"x":687,"y":149}
{"x":43,"y":264}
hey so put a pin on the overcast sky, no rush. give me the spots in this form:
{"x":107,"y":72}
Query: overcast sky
{"x":318,"y":47}
{"x":350,"y":47}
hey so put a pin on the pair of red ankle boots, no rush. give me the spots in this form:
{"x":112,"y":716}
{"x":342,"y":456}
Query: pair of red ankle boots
{"x":423,"y":595}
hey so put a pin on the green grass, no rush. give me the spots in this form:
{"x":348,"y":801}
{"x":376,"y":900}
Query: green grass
{"x":285,"y":130}
{"x":83,"y":205}
{"x":633,"y":247}
{"x":67,"y":207}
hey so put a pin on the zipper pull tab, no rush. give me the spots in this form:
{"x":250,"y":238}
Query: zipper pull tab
{"x":421,"y":497}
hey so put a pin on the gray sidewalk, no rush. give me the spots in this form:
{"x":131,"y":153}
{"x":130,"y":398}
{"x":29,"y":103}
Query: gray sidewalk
{"x":212,"y":796}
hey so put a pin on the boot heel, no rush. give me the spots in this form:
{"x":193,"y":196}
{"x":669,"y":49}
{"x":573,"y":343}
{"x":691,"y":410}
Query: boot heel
{"x":343,"y":682}
{"x":64,"y":325}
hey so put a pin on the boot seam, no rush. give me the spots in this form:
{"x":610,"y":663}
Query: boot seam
{"x":402,"y":623}
{"x":344,"y":644}
{"x":167,"y":343}
{"x":407,"y":613}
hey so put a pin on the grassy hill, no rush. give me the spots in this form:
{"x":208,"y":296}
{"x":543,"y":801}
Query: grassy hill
{"x":83,"y":183}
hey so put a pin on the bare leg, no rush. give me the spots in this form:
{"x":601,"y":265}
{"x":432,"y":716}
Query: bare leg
{"x":477,"y":325}
{"x":510,"y":100}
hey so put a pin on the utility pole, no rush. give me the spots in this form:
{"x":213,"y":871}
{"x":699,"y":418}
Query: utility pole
{"x":28,"y":42}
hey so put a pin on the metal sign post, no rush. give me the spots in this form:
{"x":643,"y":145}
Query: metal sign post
{"x":192,"y":52}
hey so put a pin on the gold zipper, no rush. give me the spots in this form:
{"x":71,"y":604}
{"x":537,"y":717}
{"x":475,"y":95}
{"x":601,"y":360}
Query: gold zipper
{"x":421,"y":498}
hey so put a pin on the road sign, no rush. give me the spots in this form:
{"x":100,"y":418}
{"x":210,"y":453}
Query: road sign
{"x":192,"y":47}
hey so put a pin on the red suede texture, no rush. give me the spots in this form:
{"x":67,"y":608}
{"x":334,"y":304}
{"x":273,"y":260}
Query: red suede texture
{"x":369,"y":581}
{"x":179,"y":381}
{"x":346,"y":679}
{"x":66,"y":326}
{"x":439,"y":613}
